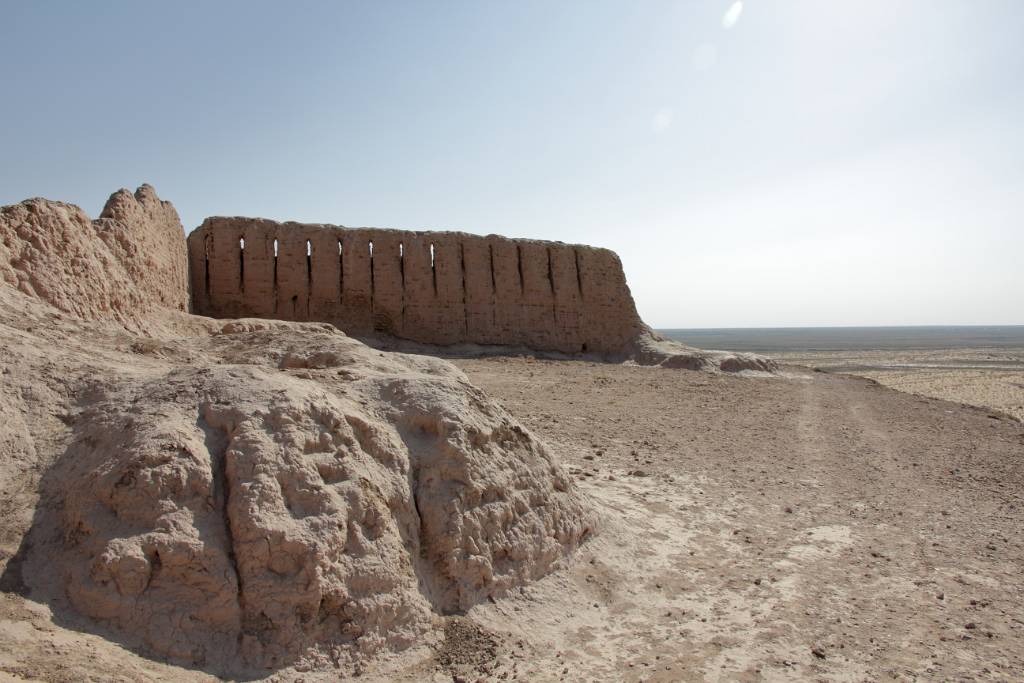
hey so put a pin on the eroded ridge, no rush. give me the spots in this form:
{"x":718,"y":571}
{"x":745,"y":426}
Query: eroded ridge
{"x":125,"y":265}
{"x":320,"y":503}
{"x":432,"y":287}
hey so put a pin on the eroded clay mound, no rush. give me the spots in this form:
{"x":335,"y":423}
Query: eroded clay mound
{"x":319,"y":502}
{"x":122,"y":266}
{"x":652,"y":348}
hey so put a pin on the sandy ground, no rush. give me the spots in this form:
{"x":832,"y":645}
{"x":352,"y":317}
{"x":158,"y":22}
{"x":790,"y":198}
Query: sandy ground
{"x":993,"y":378}
{"x":803,"y":527}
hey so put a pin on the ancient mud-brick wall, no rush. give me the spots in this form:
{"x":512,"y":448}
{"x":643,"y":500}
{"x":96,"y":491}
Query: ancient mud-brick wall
{"x":431,"y":287}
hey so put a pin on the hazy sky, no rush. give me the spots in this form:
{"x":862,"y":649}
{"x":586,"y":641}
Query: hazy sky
{"x":765,"y":163}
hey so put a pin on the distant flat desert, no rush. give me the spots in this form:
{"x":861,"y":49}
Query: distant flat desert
{"x":975,"y":365}
{"x":985,"y":377}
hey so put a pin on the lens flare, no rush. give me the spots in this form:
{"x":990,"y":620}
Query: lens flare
{"x":732,"y":15}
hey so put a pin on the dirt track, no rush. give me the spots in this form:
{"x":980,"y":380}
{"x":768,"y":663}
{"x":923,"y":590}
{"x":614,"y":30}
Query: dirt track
{"x":991,"y":377}
{"x":811,"y":526}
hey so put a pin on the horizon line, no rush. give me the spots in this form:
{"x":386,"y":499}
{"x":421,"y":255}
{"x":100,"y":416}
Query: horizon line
{"x":826,"y":327}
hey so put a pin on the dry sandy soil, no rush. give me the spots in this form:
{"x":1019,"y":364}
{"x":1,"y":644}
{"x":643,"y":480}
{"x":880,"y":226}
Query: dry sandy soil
{"x":807,"y":526}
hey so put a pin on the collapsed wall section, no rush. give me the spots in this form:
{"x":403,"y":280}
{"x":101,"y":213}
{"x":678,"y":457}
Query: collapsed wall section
{"x":124,"y":266}
{"x":431,"y":287}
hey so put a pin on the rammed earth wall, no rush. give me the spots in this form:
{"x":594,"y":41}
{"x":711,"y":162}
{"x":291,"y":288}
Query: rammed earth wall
{"x":431,"y":287}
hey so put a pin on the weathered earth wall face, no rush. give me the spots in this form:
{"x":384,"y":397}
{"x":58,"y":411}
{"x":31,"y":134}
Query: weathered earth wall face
{"x":122,"y":266}
{"x":431,"y":287}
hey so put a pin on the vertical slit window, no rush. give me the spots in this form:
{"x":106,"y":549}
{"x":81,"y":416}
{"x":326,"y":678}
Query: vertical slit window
{"x":519,"y":267}
{"x":462,"y":270}
{"x":309,"y":262}
{"x":494,"y":282}
{"x":551,"y":273}
{"x":275,"y":265}
{"x":579,"y":276}
{"x":341,"y":270}
{"x":206,"y":266}
{"x":371,"y":270}
{"x":433,"y":268}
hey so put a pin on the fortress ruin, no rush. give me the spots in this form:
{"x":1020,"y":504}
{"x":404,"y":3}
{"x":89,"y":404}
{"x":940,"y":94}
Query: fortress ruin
{"x":432,"y":287}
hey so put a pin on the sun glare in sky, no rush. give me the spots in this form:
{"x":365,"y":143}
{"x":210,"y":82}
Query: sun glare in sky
{"x":732,"y":15}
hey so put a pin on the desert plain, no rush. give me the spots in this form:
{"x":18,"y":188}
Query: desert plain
{"x":981,"y":376}
{"x":805,"y":526}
